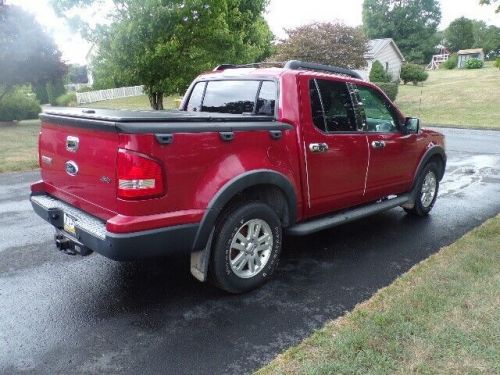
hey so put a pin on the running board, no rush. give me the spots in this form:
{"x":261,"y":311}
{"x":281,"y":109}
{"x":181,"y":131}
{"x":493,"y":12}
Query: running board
{"x":317,"y":225}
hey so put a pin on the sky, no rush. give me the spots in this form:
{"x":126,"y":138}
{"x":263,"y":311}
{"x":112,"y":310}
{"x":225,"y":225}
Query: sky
{"x":281,"y":14}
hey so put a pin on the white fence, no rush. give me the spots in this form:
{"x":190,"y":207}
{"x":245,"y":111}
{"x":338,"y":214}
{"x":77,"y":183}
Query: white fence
{"x":99,"y":95}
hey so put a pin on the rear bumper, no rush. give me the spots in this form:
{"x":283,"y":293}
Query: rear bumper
{"x":92,"y":233}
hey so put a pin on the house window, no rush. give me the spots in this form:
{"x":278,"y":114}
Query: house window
{"x":386,"y":66}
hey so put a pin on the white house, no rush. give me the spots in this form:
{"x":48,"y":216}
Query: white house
{"x":387,"y":53}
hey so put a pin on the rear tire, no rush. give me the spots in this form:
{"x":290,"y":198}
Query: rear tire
{"x":246,"y":249}
{"x":427,"y":190}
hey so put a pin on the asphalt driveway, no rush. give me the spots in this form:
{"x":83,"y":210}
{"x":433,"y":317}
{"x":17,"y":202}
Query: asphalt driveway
{"x":62,"y":314}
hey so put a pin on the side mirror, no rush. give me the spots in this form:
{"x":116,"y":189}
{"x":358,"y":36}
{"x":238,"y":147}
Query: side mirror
{"x":412,"y":125}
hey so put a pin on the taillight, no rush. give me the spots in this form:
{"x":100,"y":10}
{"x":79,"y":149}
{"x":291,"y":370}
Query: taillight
{"x":138,"y":175}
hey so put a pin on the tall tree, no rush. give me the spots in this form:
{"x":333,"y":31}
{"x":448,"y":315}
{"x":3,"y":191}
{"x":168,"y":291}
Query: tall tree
{"x":325,"y":43}
{"x":486,"y":37}
{"x":489,"y":2}
{"x":28,"y":55}
{"x":411,"y":23}
{"x":459,"y":34}
{"x":164,"y":44}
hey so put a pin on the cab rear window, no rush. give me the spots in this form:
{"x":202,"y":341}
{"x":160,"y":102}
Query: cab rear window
{"x":234,"y":96}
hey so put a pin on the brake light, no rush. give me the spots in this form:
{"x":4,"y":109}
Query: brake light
{"x":138,"y":175}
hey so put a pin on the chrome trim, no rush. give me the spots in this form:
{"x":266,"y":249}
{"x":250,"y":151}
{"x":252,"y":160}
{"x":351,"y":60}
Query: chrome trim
{"x":71,"y":168}
{"x":72,"y":143}
{"x":318,"y":147}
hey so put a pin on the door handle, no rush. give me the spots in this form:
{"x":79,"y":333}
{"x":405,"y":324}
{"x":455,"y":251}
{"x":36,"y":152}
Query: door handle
{"x":318,"y":147}
{"x":378,"y":144}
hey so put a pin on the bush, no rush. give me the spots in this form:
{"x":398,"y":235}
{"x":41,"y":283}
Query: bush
{"x":54,"y":90}
{"x":21,"y":104}
{"x":451,"y":63}
{"x":497,"y":63}
{"x":474,"y":64}
{"x":390,"y":89}
{"x":67,"y":100}
{"x":378,"y":73}
{"x":413,"y":73}
{"x":85,"y":89}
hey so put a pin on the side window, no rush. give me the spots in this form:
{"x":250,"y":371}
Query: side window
{"x":235,"y":97}
{"x":194,"y":104}
{"x":331,"y":106}
{"x":379,"y":116}
{"x":267,"y":99}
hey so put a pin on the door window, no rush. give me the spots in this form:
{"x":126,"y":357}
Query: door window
{"x":379,"y":115}
{"x":331,"y":106}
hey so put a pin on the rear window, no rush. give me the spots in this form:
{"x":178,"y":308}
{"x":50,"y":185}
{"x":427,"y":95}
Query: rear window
{"x":233,"y":96}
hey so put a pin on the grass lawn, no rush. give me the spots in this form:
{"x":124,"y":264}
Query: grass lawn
{"x":441,"y":317}
{"x":134,"y":102}
{"x":18,"y":146}
{"x":462,"y":97}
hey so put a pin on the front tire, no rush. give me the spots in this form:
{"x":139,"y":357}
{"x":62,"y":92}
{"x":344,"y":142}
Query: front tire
{"x":427,"y":190}
{"x":246,"y":249}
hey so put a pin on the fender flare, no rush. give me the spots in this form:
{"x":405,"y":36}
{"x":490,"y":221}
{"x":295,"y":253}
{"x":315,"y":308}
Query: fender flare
{"x":431,"y":152}
{"x":237,"y":185}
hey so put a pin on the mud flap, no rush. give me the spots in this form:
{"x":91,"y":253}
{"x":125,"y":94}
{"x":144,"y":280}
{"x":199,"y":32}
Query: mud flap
{"x":200,"y":260}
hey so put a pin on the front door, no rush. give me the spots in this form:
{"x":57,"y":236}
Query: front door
{"x":335,"y":153}
{"x":392,"y":153}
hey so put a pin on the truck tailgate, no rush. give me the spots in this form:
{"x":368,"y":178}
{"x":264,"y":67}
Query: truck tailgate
{"x":79,"y":166}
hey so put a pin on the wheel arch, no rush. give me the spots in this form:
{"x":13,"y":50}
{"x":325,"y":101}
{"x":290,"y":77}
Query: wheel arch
{"x":266,"y":185}
{"x":436,"y":154}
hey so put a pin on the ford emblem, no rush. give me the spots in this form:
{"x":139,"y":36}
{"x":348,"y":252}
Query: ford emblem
{"x":71,"y":168}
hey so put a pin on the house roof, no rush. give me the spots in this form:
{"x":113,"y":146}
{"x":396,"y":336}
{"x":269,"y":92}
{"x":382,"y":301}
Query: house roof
{"x":469,"y":51}
{"x":377,"y":45}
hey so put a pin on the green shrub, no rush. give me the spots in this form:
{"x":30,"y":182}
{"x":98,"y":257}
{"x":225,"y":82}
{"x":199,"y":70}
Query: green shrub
{"x":451,"y":63}
{"x":413,"y":73}
{"x":54,"y":90}
{"x":497,"y":63}
{"x":85,"y":89}
{"x":378,"y":73}
{"x":474,"y":64}
{"x":390,"y":89}
{"x":20,"y":104}
{"x":40,"y":90}
{"x":67,"y":100}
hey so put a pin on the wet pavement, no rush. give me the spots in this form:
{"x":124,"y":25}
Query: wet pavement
{"x":62,"y":314}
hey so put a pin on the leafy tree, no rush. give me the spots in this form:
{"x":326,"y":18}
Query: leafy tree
{"x":460,"y":34}
{"x":488,"y":2}
{"x":378,"y":73}
{"x":413,"y":73}
{"x":325,"y":43}
{"x":77,"y":74}
{"x":486,"y":37}
{"x":164,"y":44}
{"x":411,"y":23}
{"x":27,"y":54}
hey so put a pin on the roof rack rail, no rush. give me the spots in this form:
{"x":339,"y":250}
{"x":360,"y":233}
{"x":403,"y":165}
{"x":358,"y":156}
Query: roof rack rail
{"x":294,"y":65}
{"x":297,"y":65}
{"x":253,"y":65}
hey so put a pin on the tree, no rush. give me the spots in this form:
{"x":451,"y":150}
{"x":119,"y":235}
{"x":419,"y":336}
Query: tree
{"x":489,"y":2}
{"x":164,"y":44}
{"x":378,"y":73}
{"x":411,"y":23}
{"x":459,"y":34}
{"x":325,"y":43}
{"x":413,"y":73}
{"x":486,"y":37}
{"x":27,"y":54}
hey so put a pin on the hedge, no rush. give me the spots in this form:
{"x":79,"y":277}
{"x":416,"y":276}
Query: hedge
{"x":390,"y":89}
{"x":21,"y":104}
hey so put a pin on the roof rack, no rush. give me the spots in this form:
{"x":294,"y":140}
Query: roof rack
{"x":254,"y":65}
{"x":294,"y":65}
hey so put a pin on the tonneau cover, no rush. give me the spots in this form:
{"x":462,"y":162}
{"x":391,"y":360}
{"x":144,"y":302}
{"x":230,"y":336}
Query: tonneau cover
{"x":116,"y":115}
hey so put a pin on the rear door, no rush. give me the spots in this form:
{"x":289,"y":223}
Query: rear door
{"x":79,"y":165}
{"x":335,"y":153}
{"x":392,"y":153}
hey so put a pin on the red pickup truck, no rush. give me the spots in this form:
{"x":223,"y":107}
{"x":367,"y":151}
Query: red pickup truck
{"x":252,"y":153}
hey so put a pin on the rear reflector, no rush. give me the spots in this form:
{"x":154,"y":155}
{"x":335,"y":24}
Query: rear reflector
{"x":139,"y":176}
